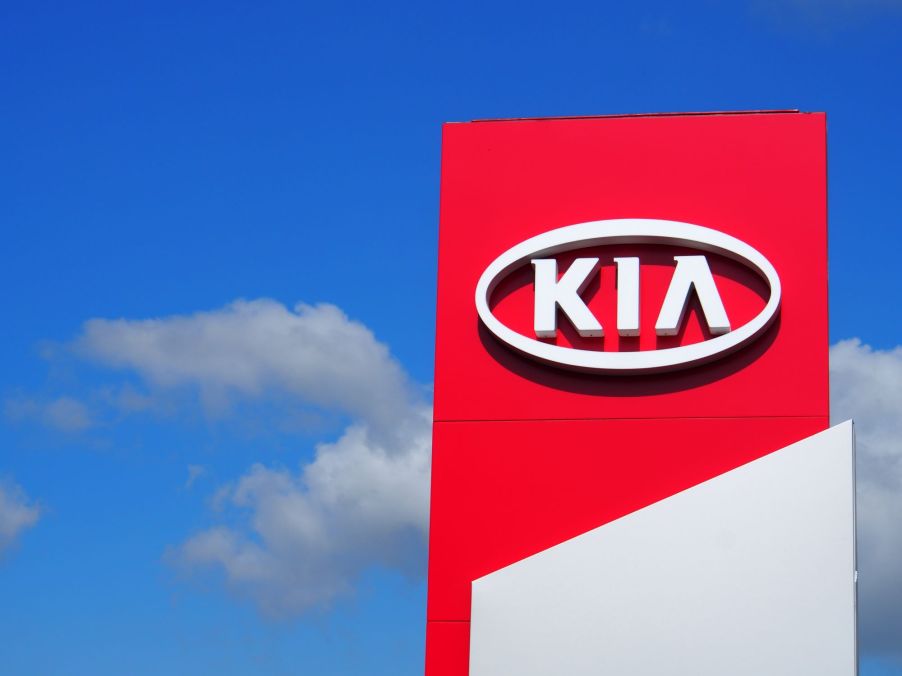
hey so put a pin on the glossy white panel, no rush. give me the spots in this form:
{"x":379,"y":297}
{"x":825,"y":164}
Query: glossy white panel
{"x":749,"y":574}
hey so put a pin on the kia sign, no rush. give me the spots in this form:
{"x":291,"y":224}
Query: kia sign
{"x":691,"y":273}
{"x":631,"y":435}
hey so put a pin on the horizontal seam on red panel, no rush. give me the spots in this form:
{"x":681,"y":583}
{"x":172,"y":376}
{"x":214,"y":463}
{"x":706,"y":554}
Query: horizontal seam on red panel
{"x":614,"y":116}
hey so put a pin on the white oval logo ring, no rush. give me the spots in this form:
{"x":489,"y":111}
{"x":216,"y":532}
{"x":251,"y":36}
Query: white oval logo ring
{"x":628,"y":231}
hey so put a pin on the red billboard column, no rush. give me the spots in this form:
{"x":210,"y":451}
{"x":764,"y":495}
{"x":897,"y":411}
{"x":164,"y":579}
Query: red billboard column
{"x":533,"y":446}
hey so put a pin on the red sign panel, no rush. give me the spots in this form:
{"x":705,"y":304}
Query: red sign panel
{"x":647,"y":230}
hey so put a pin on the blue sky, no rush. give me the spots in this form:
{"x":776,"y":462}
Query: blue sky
{"x":160,"y":505}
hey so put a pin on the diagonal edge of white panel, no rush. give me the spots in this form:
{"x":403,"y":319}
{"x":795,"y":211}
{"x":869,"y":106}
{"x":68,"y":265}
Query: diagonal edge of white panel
{"x":750,"y":573}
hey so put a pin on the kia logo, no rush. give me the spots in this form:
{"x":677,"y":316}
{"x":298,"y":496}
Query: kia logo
{"x":560,"y":295}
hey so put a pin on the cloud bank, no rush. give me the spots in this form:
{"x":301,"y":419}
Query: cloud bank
{"x":291,"y":540}
{"x":824,"y":17}
{"x":866,"y":385}
{"x":66,"y":414}
{"x":309,"y":534}
{"x":254,"y":349}
{"x":17,"y":514}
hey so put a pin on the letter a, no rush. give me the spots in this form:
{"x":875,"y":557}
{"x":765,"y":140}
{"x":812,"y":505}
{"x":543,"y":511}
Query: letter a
{"x":691,"y":272}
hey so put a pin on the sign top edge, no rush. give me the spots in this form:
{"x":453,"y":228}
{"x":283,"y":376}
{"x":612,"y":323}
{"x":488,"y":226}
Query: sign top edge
{"x":786,"y":111}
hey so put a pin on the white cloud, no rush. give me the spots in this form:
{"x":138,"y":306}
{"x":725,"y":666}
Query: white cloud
{"x":17,"y":513}
{"x":195,"y":472}
{"x":310,"y":534}
{"x":824,"y":17}
{"x":866,"y":385}
{"x":259,"y":348}
{"x":290,"y":541}
{"x":849,"y":4}
{"x":819,"y":7}
{"x":67,"y":414}
{"x":63,"y":413}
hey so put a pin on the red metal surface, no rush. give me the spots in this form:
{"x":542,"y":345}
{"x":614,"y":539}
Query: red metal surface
{"x":760,"y":178}
{"x":447,"y":648}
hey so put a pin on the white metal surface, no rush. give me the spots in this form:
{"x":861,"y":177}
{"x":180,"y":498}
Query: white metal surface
{"x":748,"y":574}
{"x":692,"y":272}
{"x":628,"y":231}
{"x":552,"y":293}
{"x":627,"y":296}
